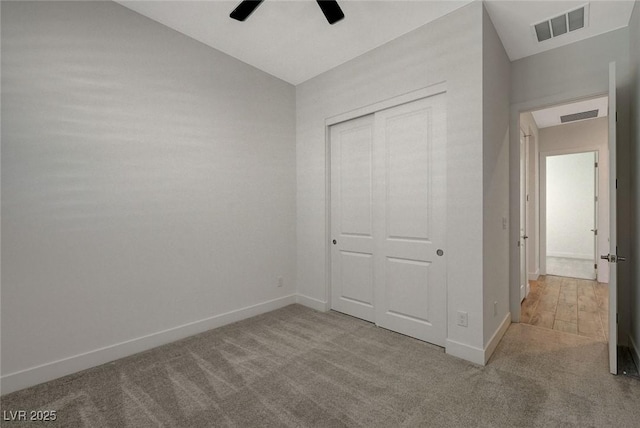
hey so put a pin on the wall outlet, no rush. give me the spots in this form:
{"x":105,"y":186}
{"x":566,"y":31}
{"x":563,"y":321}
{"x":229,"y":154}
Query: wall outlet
{"x":463,"y":319}
{"x":280,"y":281}
{"x":495,"y":309}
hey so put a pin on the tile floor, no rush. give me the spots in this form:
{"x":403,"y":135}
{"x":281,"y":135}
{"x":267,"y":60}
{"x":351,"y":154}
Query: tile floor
{"x":571,"y":305}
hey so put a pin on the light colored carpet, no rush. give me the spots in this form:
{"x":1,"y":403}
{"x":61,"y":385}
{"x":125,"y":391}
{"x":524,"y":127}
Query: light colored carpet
{"x":297,"y":367}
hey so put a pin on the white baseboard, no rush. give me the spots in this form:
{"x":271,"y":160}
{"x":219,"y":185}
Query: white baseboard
{"x":464,"y":351}
{"x":570,"y":255}
{"x":478,"y":355}
{"x":312,"y":303}
{"x":497,"y":336}
{"x":55,"y":369}
{"x":534,"y":276}
{"x":635,"y":351}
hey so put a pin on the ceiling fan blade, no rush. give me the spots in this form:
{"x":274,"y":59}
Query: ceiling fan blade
{"x":331,"y":10}
{"x":245,"y":9}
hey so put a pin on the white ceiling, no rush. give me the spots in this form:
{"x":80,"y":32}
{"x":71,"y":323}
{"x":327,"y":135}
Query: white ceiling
{"x":551,"y":116}
{"x":293,"y":41}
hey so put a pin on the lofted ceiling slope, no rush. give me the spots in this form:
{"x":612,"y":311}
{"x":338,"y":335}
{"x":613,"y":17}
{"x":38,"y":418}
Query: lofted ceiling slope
{"x":293,"y":41}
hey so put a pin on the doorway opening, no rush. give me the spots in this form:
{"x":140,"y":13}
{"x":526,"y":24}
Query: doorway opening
{"x":564,"y":221}
{"x":571,"y":214}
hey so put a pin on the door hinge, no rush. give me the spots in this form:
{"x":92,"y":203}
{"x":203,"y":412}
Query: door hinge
{"x":595,"y":266}
{"x":616,"y":183}
{"x":596,"y":199}
{"x":616,"y":318}
{"x":596,"y":164}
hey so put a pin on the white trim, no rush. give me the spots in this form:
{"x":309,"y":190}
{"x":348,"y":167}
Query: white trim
{"x":312,"y":303}
{"x":571,"y":151}
{"x":534,"y":276}
{"x":464,"y":351}
{"x":635,"y":351}
{"x":497,"y":337}
{"x":543,"y":204}
{"x":429,"y":91}
{"x":564,"y":255}
{"x":55,"y":369}
{"x":477,"y":355}
{"x":327,"y":214}
{"x":524,"y":148}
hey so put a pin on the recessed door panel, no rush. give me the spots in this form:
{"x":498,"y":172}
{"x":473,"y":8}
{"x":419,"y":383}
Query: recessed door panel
{"x":355,"y":182}
{"x":357,"y":277}
{"x":407,"y":174}
{"x":409,"y":297}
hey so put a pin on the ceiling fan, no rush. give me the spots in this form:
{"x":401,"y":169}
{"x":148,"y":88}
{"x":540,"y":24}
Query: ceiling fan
{"x":330,"y":8}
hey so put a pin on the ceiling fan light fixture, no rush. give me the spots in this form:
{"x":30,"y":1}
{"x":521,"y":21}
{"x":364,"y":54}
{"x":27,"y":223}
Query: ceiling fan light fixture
{"x":330,"y":9}
{"x":244,"y":9}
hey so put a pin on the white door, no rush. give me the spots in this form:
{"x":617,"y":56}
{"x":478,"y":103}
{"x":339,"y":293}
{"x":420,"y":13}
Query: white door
{"x":613,"y":230}
{"x":522,"y":244}
{"x":409,"y":220}
{"x":351,"y":218}
{"x":388,"y":262}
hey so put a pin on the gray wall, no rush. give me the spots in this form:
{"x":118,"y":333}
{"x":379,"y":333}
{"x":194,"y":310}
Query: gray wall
{"x":496,"y":75}
{"x":148,"y":181}
{"x":448,"y":49}
{"x":634,"y":261}
{"x":564,"y":74}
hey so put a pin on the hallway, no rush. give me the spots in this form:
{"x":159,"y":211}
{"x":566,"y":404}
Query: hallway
{"x":570,"y":305}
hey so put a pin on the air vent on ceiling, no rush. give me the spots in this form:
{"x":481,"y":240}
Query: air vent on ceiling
{"x":579,"y":116}
{"x":558,"y":25}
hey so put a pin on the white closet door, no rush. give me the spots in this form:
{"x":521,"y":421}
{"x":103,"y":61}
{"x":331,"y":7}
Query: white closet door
{"x":352,"y":218}
{"x":409,"y":219}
